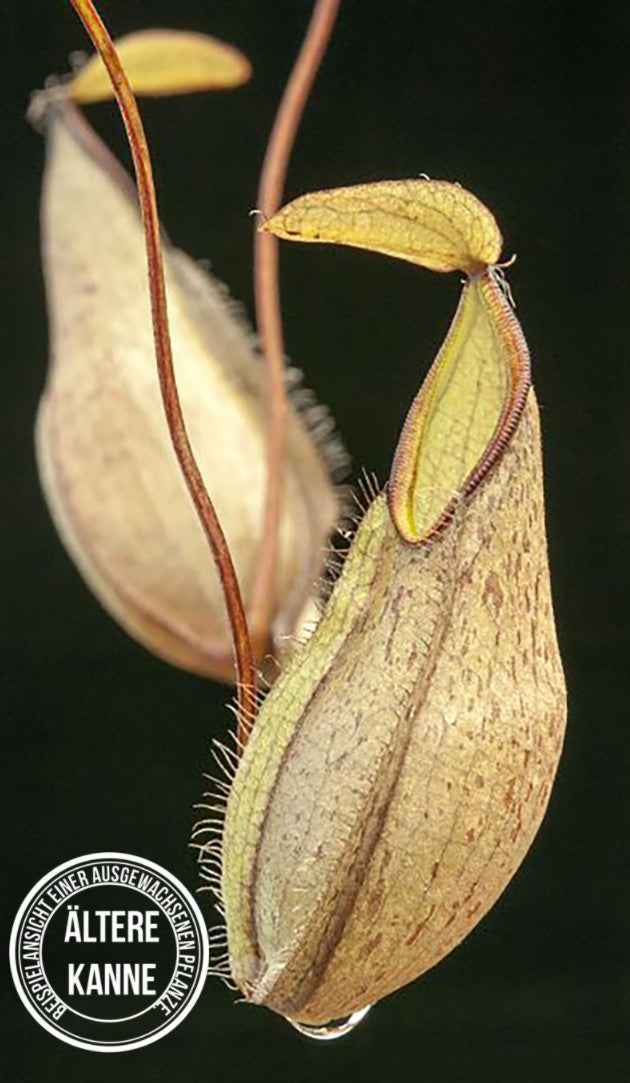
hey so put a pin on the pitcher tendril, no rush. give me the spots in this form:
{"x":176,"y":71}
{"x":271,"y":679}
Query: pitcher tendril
{"x":244,"y":663}
{"x":267,"y":292}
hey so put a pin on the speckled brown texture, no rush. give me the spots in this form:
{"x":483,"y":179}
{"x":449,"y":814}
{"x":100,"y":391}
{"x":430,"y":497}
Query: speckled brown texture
{"x":402,"y":765}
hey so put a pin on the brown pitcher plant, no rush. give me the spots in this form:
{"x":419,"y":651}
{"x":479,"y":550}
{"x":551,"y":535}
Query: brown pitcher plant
{"x":395,"y":742}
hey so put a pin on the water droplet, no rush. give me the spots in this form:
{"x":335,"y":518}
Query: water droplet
{"x":327,"y":1032}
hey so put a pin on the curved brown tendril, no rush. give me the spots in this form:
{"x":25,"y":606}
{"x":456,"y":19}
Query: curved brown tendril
{"x":246,"y":674}
{"x":267,"y":295}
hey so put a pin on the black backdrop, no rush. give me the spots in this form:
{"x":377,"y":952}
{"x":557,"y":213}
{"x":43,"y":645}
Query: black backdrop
{"x":527,"y":104}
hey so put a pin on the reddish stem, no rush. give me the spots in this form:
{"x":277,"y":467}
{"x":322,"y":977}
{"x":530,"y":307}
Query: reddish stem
{"x":267,"y":294}
{"x":246,"y":675}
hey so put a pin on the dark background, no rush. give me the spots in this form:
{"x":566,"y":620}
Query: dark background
{"x":527,"y":104}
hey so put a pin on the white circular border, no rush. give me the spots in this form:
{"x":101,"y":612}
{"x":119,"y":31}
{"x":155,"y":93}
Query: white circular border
{"x":108,"y":855}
